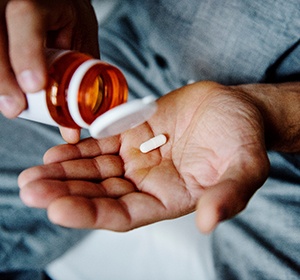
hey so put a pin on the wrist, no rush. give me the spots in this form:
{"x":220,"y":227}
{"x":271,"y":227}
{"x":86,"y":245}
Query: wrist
{"x":279,"y":105}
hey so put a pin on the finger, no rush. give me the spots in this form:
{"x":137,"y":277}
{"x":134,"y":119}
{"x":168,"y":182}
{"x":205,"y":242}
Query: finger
{"x":26,"y":33}
{"x":71,"y":136}
{"x":219,"y":203}
{"x":131,"y":211}
{"x":86,"y":20}
{"x":41,"y":193}
{"x":229,"y":197}
{"x":87,"y":148}
{"x":99,"y":168}
{"x":12,"y":100}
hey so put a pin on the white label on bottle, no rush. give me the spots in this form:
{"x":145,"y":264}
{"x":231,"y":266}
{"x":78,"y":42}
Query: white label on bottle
{"x":37,"y":109}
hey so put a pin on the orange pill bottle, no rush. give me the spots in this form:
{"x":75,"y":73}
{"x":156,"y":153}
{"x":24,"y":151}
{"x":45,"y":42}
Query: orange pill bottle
{"x":79,"y":90}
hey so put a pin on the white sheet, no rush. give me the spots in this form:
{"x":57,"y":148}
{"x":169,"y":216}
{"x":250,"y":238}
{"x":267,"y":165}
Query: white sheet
{"x":169,"y":250}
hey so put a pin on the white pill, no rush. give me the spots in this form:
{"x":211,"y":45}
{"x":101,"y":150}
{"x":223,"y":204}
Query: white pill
{"x":153,"y":143}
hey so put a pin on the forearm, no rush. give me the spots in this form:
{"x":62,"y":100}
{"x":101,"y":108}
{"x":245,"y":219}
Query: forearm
{"x":279,"y":105}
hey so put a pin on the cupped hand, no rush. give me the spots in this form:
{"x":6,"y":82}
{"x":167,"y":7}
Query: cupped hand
{"x":213,"y":162}
{"x":26,"y":28}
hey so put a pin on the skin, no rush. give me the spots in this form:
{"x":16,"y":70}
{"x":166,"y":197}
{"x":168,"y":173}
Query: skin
{"x":214,"y":161}
{"x":26,"y":28}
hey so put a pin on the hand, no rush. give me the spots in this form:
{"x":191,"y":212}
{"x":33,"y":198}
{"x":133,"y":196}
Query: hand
{"x":26,"y":28}
{"x":214,"y":160}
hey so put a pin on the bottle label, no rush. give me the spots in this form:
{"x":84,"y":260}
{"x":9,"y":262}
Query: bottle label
{"x":37,"y":109}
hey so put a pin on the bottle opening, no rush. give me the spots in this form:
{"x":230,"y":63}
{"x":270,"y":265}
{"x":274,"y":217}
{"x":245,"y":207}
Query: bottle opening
{"x":93,"y":95}
{"x":102,"y":88}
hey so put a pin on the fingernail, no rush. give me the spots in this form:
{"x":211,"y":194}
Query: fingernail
{"x":8,"y":106}
{"x":30,"y":81}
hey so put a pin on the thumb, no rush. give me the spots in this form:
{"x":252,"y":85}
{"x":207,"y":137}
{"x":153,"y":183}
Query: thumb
{"x":218,"y":203}
{"x":230,"y":196}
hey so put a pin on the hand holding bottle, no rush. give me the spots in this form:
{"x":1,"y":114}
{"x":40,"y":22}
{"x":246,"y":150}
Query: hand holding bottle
{"x":26,"y":28}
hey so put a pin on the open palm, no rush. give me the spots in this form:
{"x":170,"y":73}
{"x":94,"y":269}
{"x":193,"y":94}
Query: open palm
{"x":214,"y":160}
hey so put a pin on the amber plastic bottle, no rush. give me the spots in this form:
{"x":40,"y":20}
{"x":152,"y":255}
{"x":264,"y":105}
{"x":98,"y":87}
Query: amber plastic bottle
{"x":79,"y":89}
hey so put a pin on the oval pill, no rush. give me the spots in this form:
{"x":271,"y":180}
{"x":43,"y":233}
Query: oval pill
{"x":153,"y":143}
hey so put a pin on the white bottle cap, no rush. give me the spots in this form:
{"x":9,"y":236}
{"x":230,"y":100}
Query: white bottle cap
{"x":123,"y":117}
